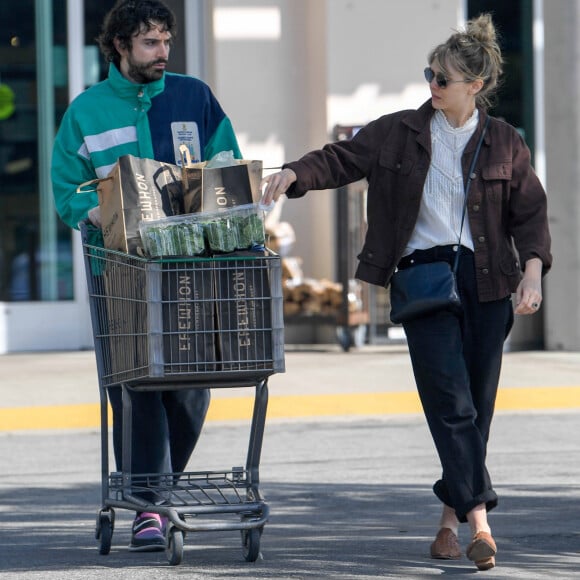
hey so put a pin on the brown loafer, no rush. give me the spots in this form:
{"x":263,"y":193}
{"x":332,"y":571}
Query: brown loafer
{"x":482,"y":551}
{"x":446,"y":546}
{"x":486,"y":564}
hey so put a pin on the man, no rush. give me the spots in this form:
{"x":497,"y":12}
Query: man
{"x":144,"y":111}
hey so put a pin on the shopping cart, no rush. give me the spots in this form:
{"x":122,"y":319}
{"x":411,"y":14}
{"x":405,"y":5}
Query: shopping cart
{"x":185,"y":323}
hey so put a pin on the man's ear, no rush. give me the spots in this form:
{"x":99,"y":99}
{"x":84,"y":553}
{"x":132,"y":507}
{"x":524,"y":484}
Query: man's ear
{"x":119,"y":45}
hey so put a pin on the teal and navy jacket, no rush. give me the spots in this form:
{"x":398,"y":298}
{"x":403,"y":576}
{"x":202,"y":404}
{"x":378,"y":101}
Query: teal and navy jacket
{"x":117,"y":117}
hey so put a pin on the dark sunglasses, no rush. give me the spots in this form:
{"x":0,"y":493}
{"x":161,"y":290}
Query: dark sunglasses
{"x":440,"y":79}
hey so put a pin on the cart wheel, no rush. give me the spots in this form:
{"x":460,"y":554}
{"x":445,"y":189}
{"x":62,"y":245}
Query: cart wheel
{"x":174,"y":550}
{"x":251,"y":544}
{"x":104,"y":531}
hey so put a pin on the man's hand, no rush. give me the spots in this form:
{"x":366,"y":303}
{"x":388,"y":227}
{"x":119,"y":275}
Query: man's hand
{"x":95,"y":216}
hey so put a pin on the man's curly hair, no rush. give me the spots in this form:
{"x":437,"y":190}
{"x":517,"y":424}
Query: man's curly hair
{"x":126,"y":19}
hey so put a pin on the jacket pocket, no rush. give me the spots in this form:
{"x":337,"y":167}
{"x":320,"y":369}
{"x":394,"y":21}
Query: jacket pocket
{"x":393,"y":161}
{"x":496,"y":178}
{"x":509,"y":263}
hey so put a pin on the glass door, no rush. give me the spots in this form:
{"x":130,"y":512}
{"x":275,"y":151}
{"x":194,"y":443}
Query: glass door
{"x":35,"y":249}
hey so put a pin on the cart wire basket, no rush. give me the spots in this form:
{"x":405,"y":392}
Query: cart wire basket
{"x":180,"y":323}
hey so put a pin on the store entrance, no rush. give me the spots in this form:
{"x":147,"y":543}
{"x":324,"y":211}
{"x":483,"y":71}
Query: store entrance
{"x":515,"y":98}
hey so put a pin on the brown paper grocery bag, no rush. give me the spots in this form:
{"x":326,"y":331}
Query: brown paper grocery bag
{"x":137,"y":189}
{"x":208,"y":189}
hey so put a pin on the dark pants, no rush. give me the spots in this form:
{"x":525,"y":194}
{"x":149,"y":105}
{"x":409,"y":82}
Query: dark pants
{"x":166,"y":427}
{"x":165,"y":424}
{"x":456,"y":362}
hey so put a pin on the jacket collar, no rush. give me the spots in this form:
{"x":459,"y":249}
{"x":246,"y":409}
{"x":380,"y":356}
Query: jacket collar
{"x":419,"y":121}
{"x":130,"y":91}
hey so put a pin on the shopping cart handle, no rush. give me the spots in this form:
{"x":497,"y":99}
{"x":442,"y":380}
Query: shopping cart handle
{"x":85,"y":226}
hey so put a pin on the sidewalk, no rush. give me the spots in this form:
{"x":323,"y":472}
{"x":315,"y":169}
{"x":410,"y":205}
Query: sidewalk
{"x":347,"y":468}
{"x":60,"y":389}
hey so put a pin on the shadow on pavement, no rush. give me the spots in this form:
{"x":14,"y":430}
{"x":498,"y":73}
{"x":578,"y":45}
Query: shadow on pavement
{"x":315,"y":531}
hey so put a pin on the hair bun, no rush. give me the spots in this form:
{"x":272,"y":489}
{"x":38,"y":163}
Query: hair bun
{"x":482,"y":29}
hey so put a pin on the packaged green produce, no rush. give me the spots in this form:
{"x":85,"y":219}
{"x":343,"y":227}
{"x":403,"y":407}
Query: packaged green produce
{"x":220,"y":231}
{"x":189,"y":238}
{"x":171,"y":237}
{"x":155,"y":240}
{"x":252,"y":230}
{"x":221,"y":234}
{"x":233,"y":229}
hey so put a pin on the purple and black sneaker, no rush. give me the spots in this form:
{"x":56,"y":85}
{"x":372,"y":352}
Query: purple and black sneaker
{"x":148,"y":533}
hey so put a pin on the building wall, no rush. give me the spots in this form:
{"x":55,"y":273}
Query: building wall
{"x":288,"y":71}
{"x":309,"y":65}
{"x":562,"y":90}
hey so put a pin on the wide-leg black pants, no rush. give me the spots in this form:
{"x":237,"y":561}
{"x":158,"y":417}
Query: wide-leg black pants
{"x":456,"y":362}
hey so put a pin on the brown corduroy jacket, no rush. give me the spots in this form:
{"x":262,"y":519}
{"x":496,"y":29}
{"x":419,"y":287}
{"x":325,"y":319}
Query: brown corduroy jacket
{"x":507,"y":206}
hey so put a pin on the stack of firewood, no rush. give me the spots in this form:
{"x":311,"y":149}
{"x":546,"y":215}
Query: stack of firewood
{"x":308,"y":296}
{"x":303,"y":296}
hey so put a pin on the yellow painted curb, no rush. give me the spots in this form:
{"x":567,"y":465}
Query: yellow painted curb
{"x":87,"y":416}
{"x":538,"y":398}
{"x":51,"y":417}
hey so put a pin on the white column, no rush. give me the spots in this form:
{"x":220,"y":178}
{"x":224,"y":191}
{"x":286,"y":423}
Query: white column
{"x":562,"y":286}
{"x":75,"y":26}
{"x":76,"y":85}
{"x":199,"y":41}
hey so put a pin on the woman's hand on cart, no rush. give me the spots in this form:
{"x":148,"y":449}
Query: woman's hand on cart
{"x":274,"y":185}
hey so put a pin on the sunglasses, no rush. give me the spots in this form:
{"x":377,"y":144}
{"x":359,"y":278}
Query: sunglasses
{"x":440,"y":78}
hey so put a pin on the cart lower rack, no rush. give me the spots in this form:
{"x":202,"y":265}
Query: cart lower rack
{"x":182,"y":323}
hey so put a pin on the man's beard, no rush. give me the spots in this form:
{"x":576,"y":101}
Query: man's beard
{"x":145,"y":73}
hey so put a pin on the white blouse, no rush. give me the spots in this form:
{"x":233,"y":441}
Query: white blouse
{"x":439,"y":220}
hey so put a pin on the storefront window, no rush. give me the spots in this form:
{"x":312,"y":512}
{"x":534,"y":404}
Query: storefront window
{"x":515,"y":102}
{"x":36,"y":261}
{"x":33,"y":266}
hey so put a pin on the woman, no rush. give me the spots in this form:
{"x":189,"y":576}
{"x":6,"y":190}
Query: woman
{"x":416,"y":162}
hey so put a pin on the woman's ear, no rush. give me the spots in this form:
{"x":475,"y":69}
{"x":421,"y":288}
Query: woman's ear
{"x":476,"y":86}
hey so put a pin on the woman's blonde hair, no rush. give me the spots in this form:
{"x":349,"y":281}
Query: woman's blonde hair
{"x":475,"y":54}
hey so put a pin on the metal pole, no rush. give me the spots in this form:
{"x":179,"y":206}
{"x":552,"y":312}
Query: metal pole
{"x":46,"y":132}
{"x":76,"y":85}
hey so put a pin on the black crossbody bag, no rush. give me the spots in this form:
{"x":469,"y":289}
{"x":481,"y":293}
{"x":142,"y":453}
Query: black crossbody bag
{"x":424,"y":289}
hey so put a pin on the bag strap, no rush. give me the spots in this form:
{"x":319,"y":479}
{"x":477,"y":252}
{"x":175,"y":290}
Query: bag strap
{"x":470,"y":176}
{"x":82,"y":188}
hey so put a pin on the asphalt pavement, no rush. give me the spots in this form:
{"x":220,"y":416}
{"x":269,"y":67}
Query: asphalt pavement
{"x":347,"y":467}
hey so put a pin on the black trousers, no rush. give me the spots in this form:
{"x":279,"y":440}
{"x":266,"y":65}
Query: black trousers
{"x":456,"y":363}
{"x":166,"y":427}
